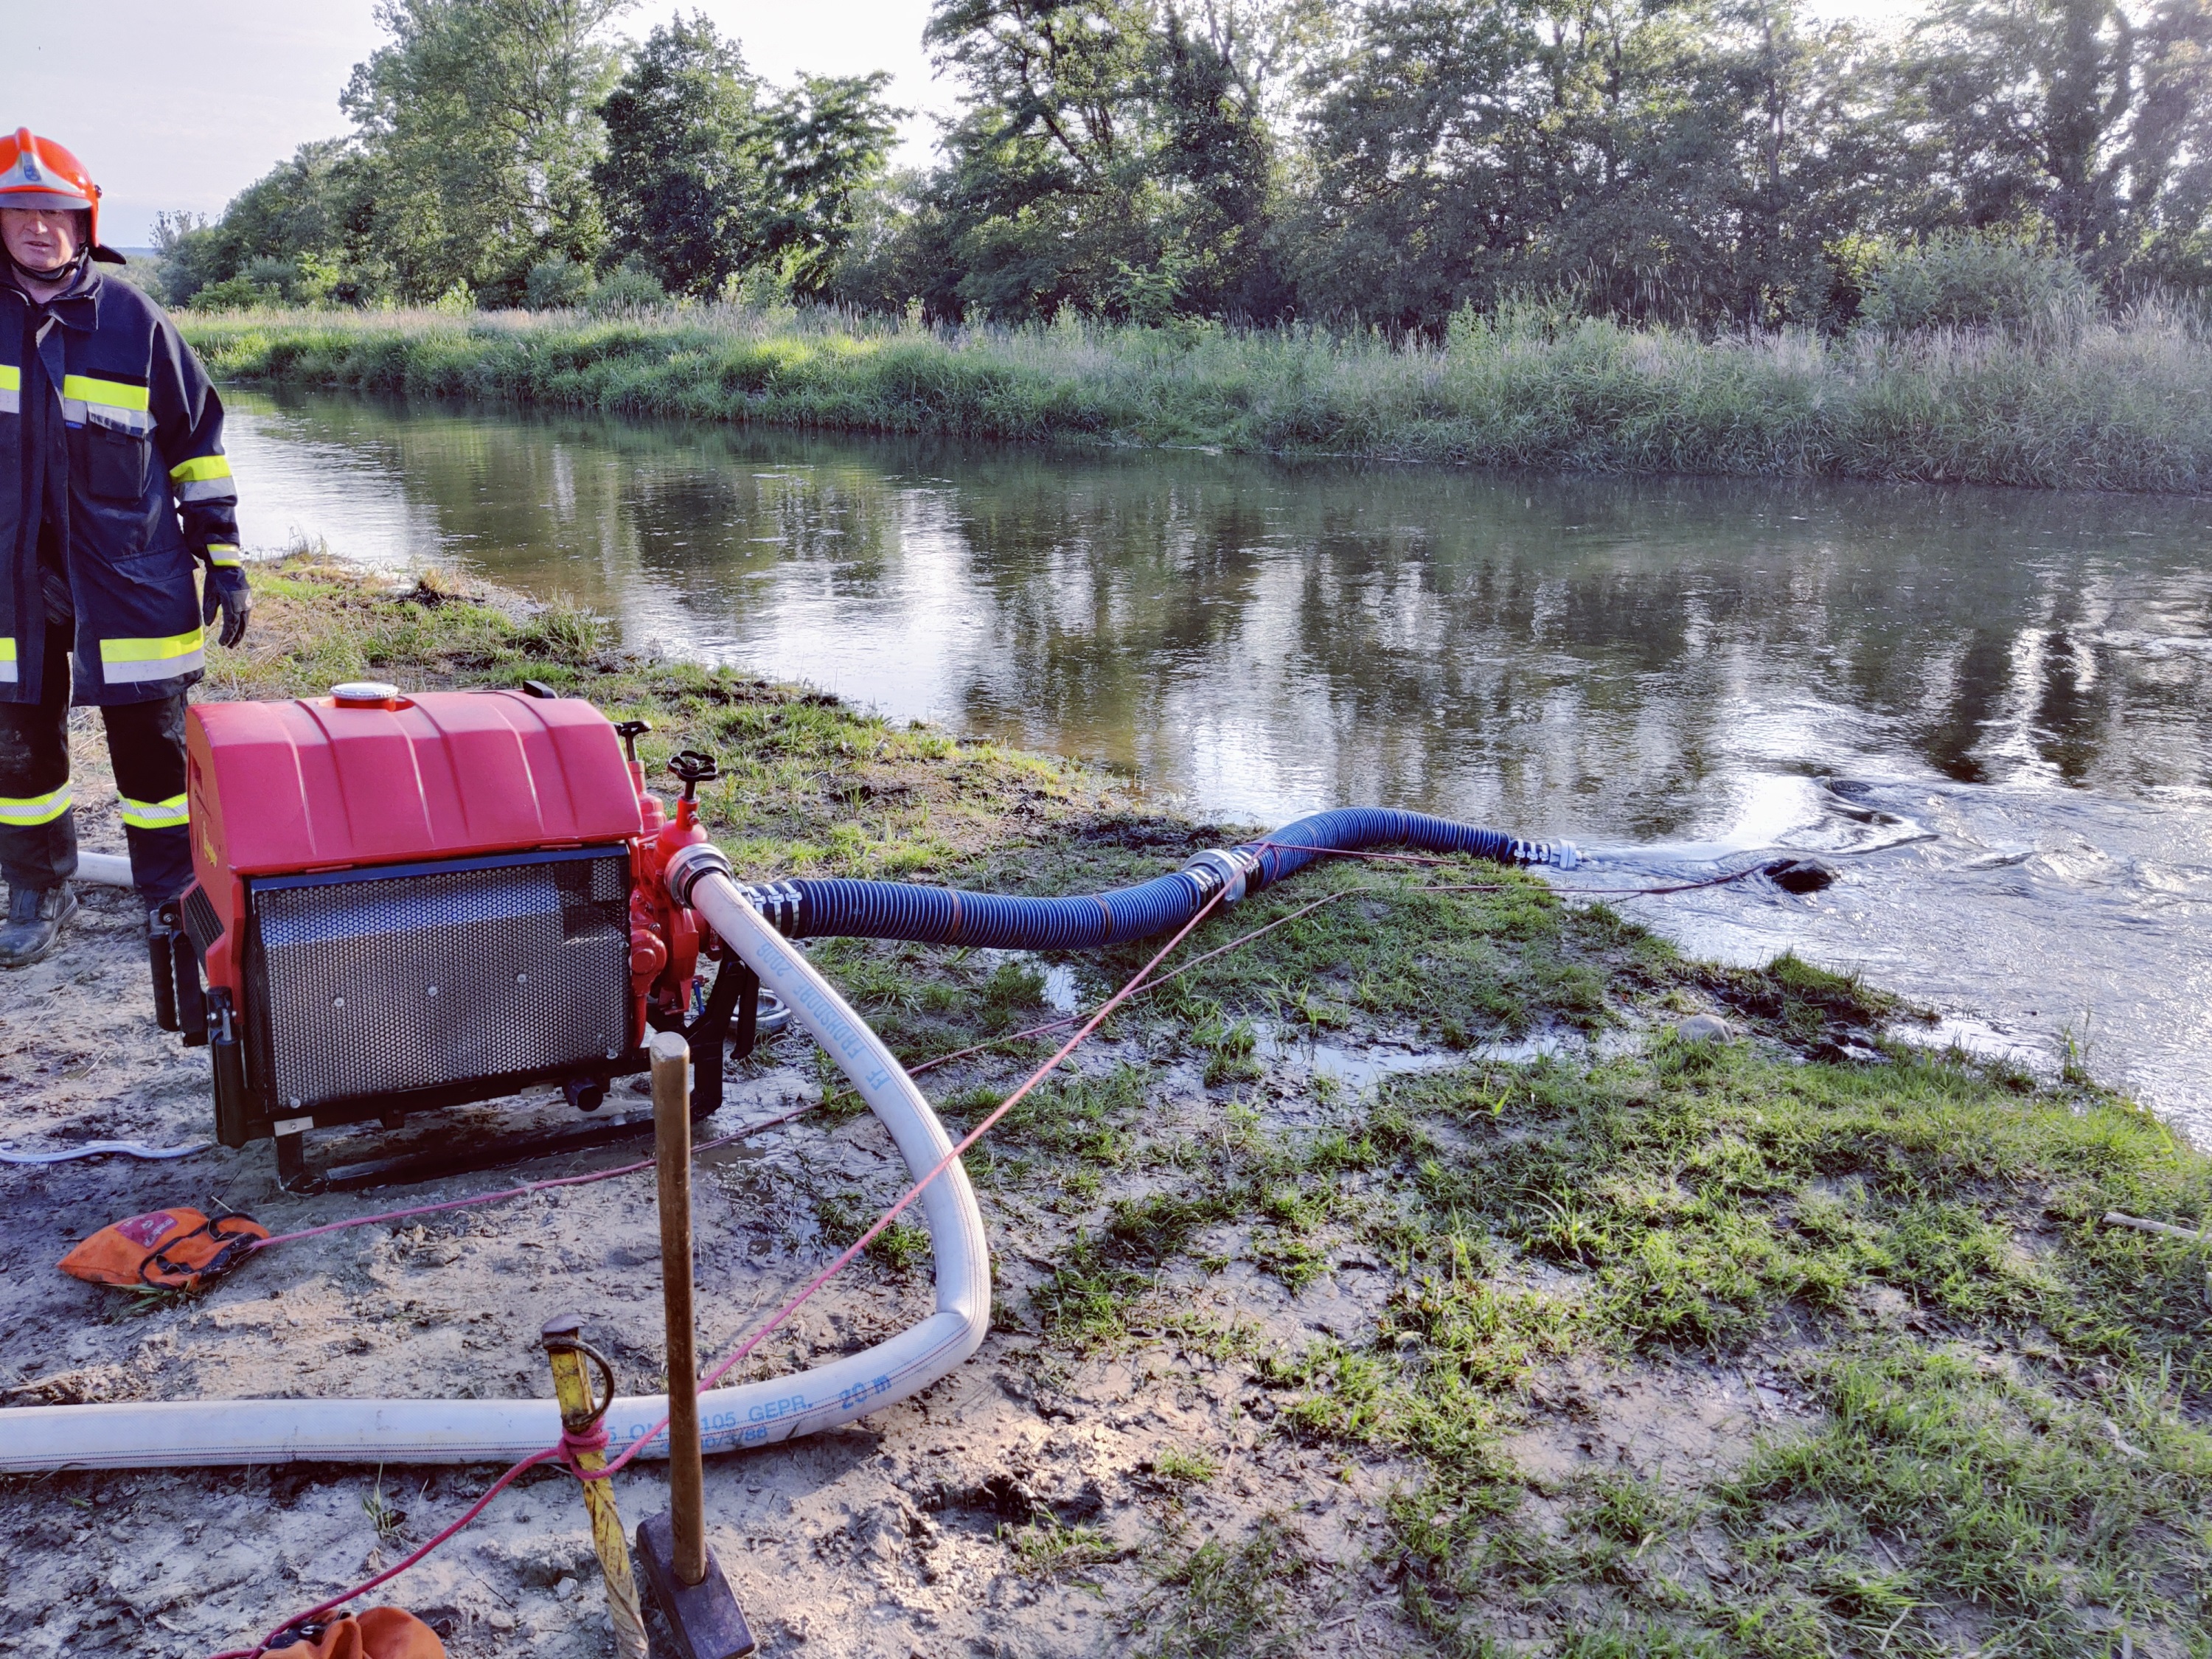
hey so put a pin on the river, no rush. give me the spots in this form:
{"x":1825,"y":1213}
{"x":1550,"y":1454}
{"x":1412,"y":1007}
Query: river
{"x":1991,"y":709}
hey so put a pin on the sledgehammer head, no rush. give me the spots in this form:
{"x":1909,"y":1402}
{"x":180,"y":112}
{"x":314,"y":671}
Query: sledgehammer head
{"x":704,"y":1618}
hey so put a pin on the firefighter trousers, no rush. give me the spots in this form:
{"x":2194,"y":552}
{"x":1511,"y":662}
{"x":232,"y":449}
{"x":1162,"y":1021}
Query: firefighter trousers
{"x":37,"y":820}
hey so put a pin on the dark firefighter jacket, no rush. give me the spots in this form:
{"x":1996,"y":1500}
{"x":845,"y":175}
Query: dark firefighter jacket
{"x":149,"y":491}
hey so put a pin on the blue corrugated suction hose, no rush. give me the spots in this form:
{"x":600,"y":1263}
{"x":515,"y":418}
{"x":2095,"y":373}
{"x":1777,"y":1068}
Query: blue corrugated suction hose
{"x":821,"y":908}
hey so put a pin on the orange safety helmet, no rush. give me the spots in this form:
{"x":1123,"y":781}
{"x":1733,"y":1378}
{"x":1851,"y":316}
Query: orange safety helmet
{"x":37,"y":173}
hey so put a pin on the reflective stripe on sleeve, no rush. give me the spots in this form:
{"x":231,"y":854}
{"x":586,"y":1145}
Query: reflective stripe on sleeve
{"x":203,"y":478}
{"x":169,"y":814}
{"x":21,"y":814}
{"x":11,"y":389}
{"x":7,"y":661}
{"x":224,"y":554}
{"x":134,"y":662}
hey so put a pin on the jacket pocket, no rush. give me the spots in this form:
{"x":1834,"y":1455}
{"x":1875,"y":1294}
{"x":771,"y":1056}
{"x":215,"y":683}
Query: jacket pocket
{"x":110,"y":464}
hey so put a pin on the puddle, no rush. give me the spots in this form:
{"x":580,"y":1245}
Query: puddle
{"x":1059,"y":989}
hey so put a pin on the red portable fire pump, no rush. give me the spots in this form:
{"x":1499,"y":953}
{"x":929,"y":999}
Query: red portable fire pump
{"x":402,"y":903}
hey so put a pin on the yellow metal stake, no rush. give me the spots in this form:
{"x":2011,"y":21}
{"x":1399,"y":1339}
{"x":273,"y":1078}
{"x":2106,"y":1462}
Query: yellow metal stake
{"x":565,"y":1348}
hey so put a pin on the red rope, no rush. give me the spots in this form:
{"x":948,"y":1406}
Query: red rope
{"x":915,"y":1191}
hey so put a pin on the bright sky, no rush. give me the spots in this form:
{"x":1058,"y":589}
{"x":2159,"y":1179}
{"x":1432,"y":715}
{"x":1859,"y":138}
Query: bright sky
{"x":182,"y":106}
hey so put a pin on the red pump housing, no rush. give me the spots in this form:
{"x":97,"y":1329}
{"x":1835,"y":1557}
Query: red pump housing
{"x":408,"y":902}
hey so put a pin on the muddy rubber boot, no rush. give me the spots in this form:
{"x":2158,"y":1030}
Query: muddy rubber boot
{"x":35,"y":918}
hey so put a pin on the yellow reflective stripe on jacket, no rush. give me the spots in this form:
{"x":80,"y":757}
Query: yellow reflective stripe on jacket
{"x":169,"y":814}
{"x":21,"y":813}
{"x":116,"y":394}
{"x":203,"y":478}
{"x":7,"y":661}
{"x":223,"y":553}
{"x":11,"y":389}
{"x":105,"y":403}
{"x":134,"y":662}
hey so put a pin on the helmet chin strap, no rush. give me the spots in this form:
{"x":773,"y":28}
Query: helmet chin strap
{"x":63,"y":272}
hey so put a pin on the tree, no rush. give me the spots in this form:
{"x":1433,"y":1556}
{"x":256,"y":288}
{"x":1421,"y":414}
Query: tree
{"x":1116,"y":157}
{"x":826,"y":141}
{"x":481,"y":118}
{"x":2085,"y":117}
{"x":300,"y":232}
{"x":1684,"y":159}
{"x":684,"y":181}
{"x":1214,"y":168}
{"x":1044,"y":190}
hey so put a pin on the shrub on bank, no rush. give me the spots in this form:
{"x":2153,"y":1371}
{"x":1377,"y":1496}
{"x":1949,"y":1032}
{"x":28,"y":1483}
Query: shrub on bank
{"x":1968,"y":282}
{"x":2103,"y":404}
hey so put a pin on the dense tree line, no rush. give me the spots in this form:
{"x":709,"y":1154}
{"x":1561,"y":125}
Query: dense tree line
{"x":1722,"y":162}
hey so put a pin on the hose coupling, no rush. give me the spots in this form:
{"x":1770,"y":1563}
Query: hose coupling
{"x":1559,"y":854}
{"x":688,"y":865}
{"x":777,"y":902}
{"x":1226,"y":872}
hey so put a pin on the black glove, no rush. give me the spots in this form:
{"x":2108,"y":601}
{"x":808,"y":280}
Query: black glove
{"x":226,"y":591}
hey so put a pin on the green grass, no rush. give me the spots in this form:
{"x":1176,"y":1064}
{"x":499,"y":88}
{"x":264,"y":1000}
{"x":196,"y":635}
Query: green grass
{"x":1049,"y":1549}
{"x":2013,"y":1394}
{"x":1232,"y":1601}
{"x":1939,"y":1483}
{"x":1184,"y":1468}
{"x":2107,"y":406}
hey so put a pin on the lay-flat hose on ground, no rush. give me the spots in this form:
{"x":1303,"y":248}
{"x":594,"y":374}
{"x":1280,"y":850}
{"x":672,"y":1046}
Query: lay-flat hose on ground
{"x":205,"y":1432}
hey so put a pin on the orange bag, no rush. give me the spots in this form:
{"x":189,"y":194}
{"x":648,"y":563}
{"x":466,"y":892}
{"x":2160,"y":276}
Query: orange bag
{"x":379,"y":1633}
{"x":170,"y":1249}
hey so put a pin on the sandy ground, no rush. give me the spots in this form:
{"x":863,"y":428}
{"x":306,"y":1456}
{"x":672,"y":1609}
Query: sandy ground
{"x":891,"y":1538}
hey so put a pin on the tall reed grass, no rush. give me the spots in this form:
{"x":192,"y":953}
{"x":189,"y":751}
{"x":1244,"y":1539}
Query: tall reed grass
{"x":2103,"y":403}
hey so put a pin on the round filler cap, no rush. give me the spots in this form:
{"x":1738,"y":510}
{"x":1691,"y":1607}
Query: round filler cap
{"x":364,"y":694}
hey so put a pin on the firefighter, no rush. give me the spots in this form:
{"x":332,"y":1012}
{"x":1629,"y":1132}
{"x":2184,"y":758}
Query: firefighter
{"x":116,"y":507}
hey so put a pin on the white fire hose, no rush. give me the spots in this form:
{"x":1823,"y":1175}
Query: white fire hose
{"x":201,"y":1433}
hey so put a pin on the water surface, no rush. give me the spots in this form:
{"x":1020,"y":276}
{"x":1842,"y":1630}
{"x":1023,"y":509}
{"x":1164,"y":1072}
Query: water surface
{"x":1994,"y":707}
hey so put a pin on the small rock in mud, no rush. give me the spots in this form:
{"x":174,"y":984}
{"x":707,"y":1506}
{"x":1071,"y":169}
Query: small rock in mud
{"x":1705,"y":1028}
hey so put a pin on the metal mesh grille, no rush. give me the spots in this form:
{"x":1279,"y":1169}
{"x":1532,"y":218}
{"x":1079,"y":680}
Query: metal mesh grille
{"x":438,"y":976}
{"x":201,"y":921}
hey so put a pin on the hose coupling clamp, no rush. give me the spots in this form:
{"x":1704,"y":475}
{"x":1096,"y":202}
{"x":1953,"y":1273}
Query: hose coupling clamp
{"x":688,"y":865}
{"x":777,"y":903}
{"x":1227,"y":872}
